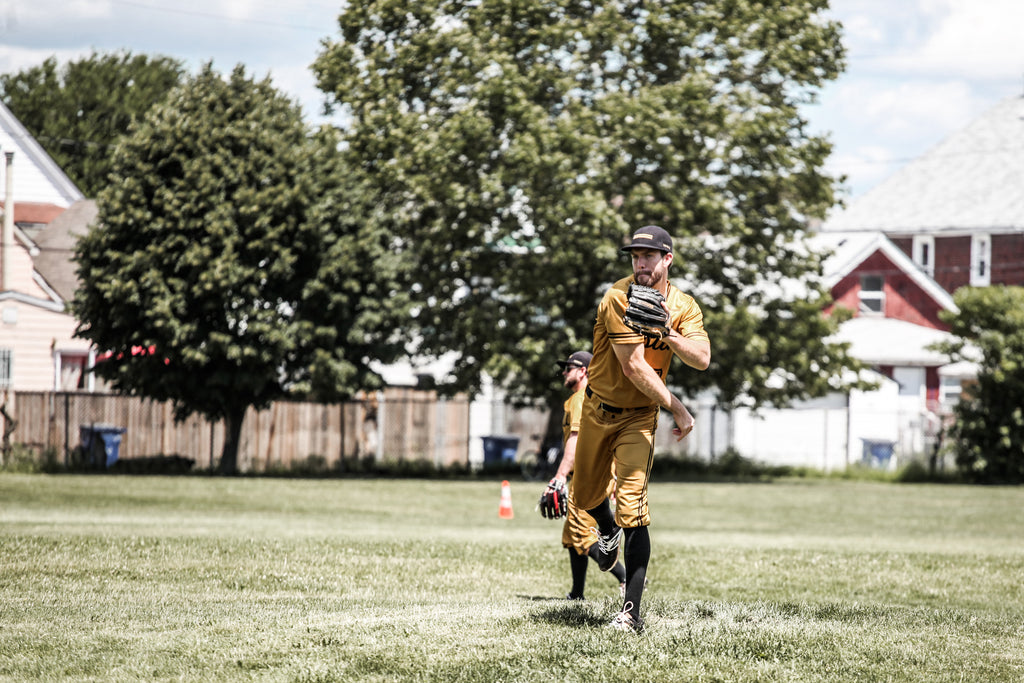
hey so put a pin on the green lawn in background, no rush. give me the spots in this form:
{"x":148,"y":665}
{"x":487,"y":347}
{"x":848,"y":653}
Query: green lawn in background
{"x":208,"y":578}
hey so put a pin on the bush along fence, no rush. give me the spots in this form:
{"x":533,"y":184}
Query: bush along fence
{"x":396,"y":424}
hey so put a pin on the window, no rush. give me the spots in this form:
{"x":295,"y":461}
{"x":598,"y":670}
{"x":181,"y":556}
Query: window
{"x":5,"y":367}
{"x":950,"y":391}
{"x":872,"y":294}
{"x":981,"y":261}
{"x":912,"y":381}
{"x":924,"y":253}
{"x":71,"y":371}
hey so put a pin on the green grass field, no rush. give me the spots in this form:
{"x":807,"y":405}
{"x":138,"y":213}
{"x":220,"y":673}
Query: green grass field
{"x":199,"y":579}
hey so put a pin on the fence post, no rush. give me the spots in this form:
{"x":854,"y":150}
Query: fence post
{"x":469,"y":431}
{"x":440,"y":422}
{"x":341,"y":429}
{"x":381,"y":416}
{"x":712,"y":431}
{"x":67,"y":429}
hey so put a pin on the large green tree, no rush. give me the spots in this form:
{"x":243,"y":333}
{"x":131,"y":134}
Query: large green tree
{"x":78,"y":110}
{"x":514,"y":144}
{"x":228,"y":263}
{"x":987,"y":435}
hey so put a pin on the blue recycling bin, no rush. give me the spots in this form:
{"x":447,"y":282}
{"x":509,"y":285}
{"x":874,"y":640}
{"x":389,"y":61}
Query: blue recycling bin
{"x":101,"y":444}
{"x":498,"y":449}
{"x":877,"y":453}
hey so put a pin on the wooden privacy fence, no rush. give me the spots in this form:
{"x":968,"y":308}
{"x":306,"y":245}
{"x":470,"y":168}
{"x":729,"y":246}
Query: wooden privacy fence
{"x":395,"y":424}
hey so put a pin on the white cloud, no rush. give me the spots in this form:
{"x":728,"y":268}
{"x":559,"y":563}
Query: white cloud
{"x":13,"y":60}
{"x":911,"y":108}
{"x":980,"y":40}
{"x":918,"y":70}
{"x":21,"y":14}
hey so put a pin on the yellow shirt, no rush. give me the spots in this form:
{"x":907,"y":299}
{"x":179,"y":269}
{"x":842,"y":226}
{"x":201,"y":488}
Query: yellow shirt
{"x":573,"y":411}
{"x":607,"y":380}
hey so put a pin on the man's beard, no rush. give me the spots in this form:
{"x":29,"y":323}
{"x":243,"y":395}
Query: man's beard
{"x":652,"y":279}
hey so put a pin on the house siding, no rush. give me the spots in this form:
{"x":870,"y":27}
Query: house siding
{"x":904,"y":298}
{"x":953,"y":259}
{"x":35,"y":176}
{"x":21,"y":276}
{"x":953,"y":262}
{"x":1008,"y":259}
{"x":905,"y":244}
{"x":33,"y":340}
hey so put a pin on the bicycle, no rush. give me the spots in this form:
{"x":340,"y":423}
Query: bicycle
{"x":541,"y":464}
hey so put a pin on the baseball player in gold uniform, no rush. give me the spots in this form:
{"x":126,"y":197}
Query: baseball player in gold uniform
{"x":620,"y":413}
{"x":579,"y":533}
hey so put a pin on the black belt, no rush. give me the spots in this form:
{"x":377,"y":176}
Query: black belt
{"x":607,"y":408}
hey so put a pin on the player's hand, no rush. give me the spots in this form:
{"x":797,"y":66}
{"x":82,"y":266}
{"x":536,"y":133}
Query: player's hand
{"x":684,"y":420}
{"x":554,"y":502}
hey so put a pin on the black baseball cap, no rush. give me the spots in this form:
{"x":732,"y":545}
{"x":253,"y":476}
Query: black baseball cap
{"x":650,"y":237}
{"x":580,"y":359}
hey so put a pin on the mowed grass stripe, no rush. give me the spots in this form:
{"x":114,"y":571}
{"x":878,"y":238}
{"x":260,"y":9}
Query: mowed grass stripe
{"x":199,"y":578}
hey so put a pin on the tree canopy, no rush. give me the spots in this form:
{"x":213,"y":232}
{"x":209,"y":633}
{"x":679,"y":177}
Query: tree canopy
{"x":221,"y":271}
{"x":511,"y":147}
{"x":78,"y":111}
{"x":987,"y":435}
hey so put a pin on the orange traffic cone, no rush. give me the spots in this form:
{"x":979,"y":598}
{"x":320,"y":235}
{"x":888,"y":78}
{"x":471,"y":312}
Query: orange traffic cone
{"x":505,"y":509}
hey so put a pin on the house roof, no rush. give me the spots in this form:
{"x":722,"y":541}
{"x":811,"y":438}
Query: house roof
{"x":888,"y":341}
{"x":56,"y":243}
{"x":961,"y":370}
{"x":37,"y":178}
{"x":970,"y":182}
{"x":34,"y":212}
{"x":849,"y":249}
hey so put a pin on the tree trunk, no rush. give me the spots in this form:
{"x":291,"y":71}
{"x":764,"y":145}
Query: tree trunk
{"x":232,"y":435}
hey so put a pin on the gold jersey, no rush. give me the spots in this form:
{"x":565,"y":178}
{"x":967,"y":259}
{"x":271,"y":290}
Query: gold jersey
{"x":607,"y":380}
{"x":573,"y":410}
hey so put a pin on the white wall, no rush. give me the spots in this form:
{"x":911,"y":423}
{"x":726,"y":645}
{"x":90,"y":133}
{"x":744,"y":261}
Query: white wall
{"x":826,"y":434}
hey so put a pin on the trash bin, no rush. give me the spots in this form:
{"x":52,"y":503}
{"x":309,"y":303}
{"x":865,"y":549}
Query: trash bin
{"x":101,"y":444}
{"x":500,"y":449}
{"x":877,"y":453}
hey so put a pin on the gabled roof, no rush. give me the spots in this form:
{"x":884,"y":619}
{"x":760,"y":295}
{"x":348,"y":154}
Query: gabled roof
{"x":973,"y":181}
{"x":37,"y":178}
{"x":45,"y":304}
{"x":850,"y":249}
{"x":36,"y":213}
{"x":888,"y":341}
{"x":56,"y":243}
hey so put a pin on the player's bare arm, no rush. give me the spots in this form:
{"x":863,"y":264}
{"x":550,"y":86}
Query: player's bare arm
{"x":694,"y":352}
{"x":637,"y":370}
{"x":568,"y":457}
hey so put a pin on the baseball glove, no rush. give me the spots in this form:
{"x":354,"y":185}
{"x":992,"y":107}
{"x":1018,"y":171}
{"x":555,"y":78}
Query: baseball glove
{"x":554,"y":503}
{"x":644,"y":312}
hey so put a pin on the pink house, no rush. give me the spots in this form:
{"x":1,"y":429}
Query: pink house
{"x":38,"y":350}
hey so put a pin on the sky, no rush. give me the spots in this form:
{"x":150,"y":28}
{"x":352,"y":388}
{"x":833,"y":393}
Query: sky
{"x":917,"y":70}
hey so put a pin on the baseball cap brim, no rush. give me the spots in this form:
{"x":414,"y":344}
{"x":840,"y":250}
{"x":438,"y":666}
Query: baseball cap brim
{"x":650,"y":237}
{"x":580,"y":359}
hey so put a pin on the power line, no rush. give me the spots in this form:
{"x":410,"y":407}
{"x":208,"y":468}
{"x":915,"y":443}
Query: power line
{"x":948,"y":155}
{"x":220,"y":17}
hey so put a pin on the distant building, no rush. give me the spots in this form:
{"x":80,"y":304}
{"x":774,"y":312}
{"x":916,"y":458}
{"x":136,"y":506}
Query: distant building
{"x":38,"y":350}
{"x":951,"y":218}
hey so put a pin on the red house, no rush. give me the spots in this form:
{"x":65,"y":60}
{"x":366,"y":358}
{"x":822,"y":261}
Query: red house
{"x":958,"y":210}
{"x":896,"y":309}
{"x":952,"y":217}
